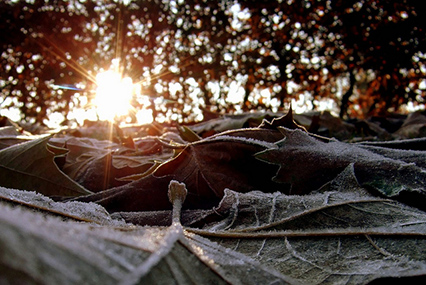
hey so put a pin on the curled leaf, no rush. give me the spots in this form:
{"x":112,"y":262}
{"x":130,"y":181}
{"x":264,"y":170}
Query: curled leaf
{"x":31,"y":166}
{"x":207,"y":168}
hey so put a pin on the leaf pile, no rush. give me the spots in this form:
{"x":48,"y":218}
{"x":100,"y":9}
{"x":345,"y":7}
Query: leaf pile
{"x":277,"y":201}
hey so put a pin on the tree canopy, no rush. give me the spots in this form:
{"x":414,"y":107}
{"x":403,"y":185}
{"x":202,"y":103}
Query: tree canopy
{"x":367,"y":57}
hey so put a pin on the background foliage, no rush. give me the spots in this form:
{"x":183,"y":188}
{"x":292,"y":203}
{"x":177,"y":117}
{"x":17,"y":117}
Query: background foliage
{"x":192,"y":57}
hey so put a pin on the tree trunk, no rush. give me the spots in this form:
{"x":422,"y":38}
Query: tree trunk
{"x":345,"y":97}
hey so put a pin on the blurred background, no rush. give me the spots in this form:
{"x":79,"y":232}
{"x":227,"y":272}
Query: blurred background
{"x":63,"y":62}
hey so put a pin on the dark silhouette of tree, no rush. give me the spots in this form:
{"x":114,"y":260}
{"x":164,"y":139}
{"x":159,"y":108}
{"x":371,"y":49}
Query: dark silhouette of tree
{"x":377,"y":46}
{"x":221,"y":56}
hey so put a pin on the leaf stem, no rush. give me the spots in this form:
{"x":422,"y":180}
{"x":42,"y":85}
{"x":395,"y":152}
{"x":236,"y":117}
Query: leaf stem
{"x":177,"y":194}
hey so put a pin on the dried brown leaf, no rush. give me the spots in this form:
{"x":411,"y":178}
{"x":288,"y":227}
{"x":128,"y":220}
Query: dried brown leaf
{"x":206,"y":167}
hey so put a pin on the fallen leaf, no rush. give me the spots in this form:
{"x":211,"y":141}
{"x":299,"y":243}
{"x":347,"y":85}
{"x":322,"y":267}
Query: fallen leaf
{"x":187,"y":134}
{"x":225,"y":160}
{"x":126,"y":167}
{"x":77,"y":211}
{"x":307,"y":163}
{"x":99,"y":165}
{"x":31,"y":166}
{"x":92,"y":171}
{"x":284,"y":121}
{"x":10,"y":136}
{"x":231,"y":122}
{"x":413,"y":127}
{"x":407,"y":144}
{"x":43,"y":249}
{"x":207,"y":167}
{"x":341,"y":234}
{"x":190,"y":217}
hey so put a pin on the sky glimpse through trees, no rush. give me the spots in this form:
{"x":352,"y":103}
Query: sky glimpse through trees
{"x":181,"y":59}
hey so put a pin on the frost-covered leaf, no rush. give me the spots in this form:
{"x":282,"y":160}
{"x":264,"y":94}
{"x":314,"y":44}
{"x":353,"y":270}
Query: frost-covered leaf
{"x":190,"y":217}
{"x":207,"y":167}
{"x":413,"y":127}
{"x":79,"y":146}
{"x":227,"y":160}
{"x":259,"y":211}
{"x":340,"y":231}
{"x":339,"y":235}
{"x":307,"y":163}
{"x":48,"y":250}
{"x":30,"y":166}
{"x":397,"y":145}
{"x":231,"y":122}
{"x":286,"y":121}
{"x":89,"y":212}
{"x":88,"y":161}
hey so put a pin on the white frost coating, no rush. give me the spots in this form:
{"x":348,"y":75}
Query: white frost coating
{"x":90,"y":212}
{"x":89,"y":143}
{"x":52,"y":251}
{"x":251,"y":141}
{"x":300,"y":141}
{"x":44,"y":248}
{"x":174,"y":234}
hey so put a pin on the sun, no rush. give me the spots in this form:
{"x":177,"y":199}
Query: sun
{"x":114,"y":94}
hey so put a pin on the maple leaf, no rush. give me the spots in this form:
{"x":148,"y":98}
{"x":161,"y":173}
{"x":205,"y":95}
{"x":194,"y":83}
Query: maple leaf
{"x":30,"y":165}
{"x":207,"y":167}
{"x":307,"y":163}
{"x":74,"y":252}
{"x":99,"y":165}
{"x":341,"y":234}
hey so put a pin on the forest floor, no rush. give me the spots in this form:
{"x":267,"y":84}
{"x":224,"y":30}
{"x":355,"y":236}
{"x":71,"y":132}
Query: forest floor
{"x":303,"y":198}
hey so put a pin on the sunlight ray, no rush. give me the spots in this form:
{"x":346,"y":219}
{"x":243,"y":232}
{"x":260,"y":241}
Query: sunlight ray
{"x":71,"y":62}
